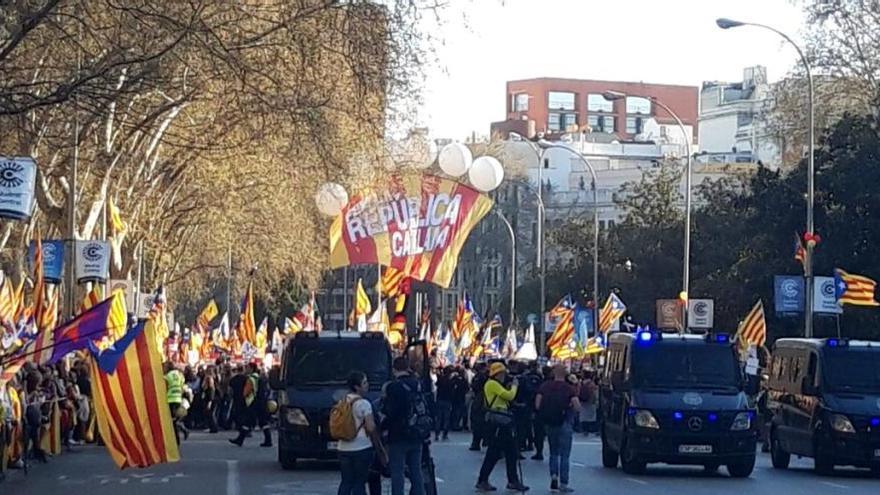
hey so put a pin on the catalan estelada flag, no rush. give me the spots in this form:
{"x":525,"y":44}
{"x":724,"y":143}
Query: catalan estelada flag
{"x":855,"y":290}
{"x":105,"y":319}
{"x":463,"y":317}
{"x":417,"y":225}
{"x":39,"y":351}
{"x":754,"y":328}
{"x":563,"y":334}
{"x":391,"y":283}
{"x":94,"y":296}
{"x":7,"y":302}
{"x":612,"y":311}
{"x":129,"y":396}
{"x":247,"y":326}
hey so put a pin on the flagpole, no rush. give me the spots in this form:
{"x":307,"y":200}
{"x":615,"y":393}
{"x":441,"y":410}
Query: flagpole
{"x":229,"y":279}
{"x":345,"y":296}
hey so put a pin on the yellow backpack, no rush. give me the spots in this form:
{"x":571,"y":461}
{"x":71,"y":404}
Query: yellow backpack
{"x":342,"y":423}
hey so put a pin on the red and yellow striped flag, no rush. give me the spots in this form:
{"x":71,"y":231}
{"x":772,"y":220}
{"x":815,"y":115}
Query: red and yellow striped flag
{"x":40,"y":349}
{"x":93,"y":297}
{"x":210,"y":312}
{"x":7,"y":302}
{"x":391,"y":282}
{"x":564,"y":332}
{"x":855,"y":290}
{"x":50,"y":436}
{"x":754,"y":328}
{"x":129,"y":396}
{"x":247,"y":327}
{"x":415,"y":224}
{"x":611,"y":312}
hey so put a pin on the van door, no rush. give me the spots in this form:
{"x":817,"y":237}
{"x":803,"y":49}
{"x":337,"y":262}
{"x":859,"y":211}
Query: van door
{"x":803,"y":415}
{"x":785,"y":395}
{"x":614,"y":399}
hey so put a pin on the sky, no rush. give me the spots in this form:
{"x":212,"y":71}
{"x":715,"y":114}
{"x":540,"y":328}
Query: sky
{"x":488,"y":42}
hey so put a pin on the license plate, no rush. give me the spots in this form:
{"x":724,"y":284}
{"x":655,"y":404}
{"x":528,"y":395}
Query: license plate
{"x":332,"y":445}
{"x":694,"y":449}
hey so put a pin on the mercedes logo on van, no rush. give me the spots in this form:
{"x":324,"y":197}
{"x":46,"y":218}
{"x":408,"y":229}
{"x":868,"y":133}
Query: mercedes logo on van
{"x":695,"y":423}
{"x":692,"y":399}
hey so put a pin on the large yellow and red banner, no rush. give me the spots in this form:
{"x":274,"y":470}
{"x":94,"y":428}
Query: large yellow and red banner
{"x":414,"y":224}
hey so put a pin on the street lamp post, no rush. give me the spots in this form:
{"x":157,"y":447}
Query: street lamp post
{"x":546,"y":145}
{"x":539,"y":154}
{"x":811,"y":170}
{"x":685,"y":284}
{"x":512,"y":264}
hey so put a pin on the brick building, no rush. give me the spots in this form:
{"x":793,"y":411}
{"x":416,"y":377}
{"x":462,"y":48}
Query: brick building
{"x":551,"y":105}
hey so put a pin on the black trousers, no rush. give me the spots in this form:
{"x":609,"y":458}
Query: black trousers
{"x":502,"y":443}
{"x":539,"y":434}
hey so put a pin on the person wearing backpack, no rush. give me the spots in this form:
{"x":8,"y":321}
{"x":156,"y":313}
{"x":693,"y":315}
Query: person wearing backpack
{"x":556,"y":404}
{"x":352,"y":424}
{"x":409,"y":423}
{"x":499,"y":430}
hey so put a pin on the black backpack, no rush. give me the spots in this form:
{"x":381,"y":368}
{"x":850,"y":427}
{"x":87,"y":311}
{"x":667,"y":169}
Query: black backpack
{"x":419,"y":422}
{"x":554,"y":408}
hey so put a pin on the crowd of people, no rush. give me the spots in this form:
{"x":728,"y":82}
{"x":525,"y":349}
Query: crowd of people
{"x":44,"y":410}
{"x":509,"y":409}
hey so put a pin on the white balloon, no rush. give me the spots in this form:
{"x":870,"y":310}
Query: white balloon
{"x":455,"y":159}
{"x":486,"y":173}
{"x":331,"y":198}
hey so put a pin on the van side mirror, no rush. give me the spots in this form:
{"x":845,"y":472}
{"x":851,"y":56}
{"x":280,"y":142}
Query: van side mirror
{"x":275,"y":382}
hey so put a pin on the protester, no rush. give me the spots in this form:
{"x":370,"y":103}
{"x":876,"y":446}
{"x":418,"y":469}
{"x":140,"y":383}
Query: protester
{"x":445,"y":392}
{"x":405,"y":436}
{"x":557,"y":404}
{"x":250,"y":395}
{"x":356,"y":455}
{"x":458,"y":418}
{"x":209,"y":399}
{"x":174,"y":382}
{"x":499,"y":429}
{"x":588,"y":394}
{"x":478,"y":407}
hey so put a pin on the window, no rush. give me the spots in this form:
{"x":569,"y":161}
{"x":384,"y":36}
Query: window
{"x":554,"y":122}
{"x":557,"y":100}
{"x":598,"y":103}
{"x":601,"y":123}
{"x":743,"y":119}
{"x":569,"y":119}
{"x":520,"y":102}
{"x":634,"y":125}
{"x":636,"y":104}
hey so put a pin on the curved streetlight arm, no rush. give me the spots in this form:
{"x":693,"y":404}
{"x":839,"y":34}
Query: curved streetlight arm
{"x":545,"y":145}
{"x":512,"y":263}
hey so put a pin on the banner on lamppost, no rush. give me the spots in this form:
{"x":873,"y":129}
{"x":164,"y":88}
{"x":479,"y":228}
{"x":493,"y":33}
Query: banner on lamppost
{"x":415,"y":224}
{"x":669,"y":314}
{"x":92,"y":261}
{"x":788,"y":294}
{"x":53,"y":259}
{"x":701,"y":313}
{"x":18,"y":179}
{"x":825,"y":297}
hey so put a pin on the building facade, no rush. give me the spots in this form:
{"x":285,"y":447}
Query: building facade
{"x":732,"y":120}
{"x":552,"y":106}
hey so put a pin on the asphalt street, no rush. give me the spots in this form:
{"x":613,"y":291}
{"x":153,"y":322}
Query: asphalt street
{"x":210,"y":465}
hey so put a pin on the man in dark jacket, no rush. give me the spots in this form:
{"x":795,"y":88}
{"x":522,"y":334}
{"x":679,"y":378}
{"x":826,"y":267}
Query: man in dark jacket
{"x":478,"y":406}
{"x":403,"y":449}
{"x":443,"y":408}
{"x":459,"y":398}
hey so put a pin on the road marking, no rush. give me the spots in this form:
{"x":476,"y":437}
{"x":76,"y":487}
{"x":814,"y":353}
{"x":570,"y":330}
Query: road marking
{"x":637,"y":481}
{"x":578,"y":464}
{"x":835,"y":485}
{"x":232,"y":487}
{"x":439,"y":479}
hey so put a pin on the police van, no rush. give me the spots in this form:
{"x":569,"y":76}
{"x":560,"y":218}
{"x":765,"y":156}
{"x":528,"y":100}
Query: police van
{"x":312,"y":378}
{"x":675,"y":399}
{"x":824,"y":397}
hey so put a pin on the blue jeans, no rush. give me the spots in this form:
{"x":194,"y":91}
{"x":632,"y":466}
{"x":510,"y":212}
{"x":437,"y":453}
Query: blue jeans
{"x":409,"y":455}
{"x":441,"y":424}
{"x":559,"y":438}
{"x":355,"y":469}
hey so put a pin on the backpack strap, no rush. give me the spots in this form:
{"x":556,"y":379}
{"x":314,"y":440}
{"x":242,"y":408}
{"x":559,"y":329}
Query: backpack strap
{"x":363,"y":420}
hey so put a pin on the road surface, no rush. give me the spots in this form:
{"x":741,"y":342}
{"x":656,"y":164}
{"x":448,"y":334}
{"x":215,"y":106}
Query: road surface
{"x":212,"y":466}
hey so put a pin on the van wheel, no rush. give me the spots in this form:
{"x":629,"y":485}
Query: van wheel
{"x":288,"y":462}
{"x":875,"y":470}
{"x":609,"y":456}
{"x":780,"y":458}
{"x":630,"y":463}
{"x":743,"y":468}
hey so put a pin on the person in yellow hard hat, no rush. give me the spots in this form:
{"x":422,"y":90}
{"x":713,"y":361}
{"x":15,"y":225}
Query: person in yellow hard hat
{"x":499,"y":428}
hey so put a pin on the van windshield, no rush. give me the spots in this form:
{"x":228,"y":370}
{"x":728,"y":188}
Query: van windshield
{"x":852,"y":371}
{"x":685,"y":366}
{"x":311,"y":365}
